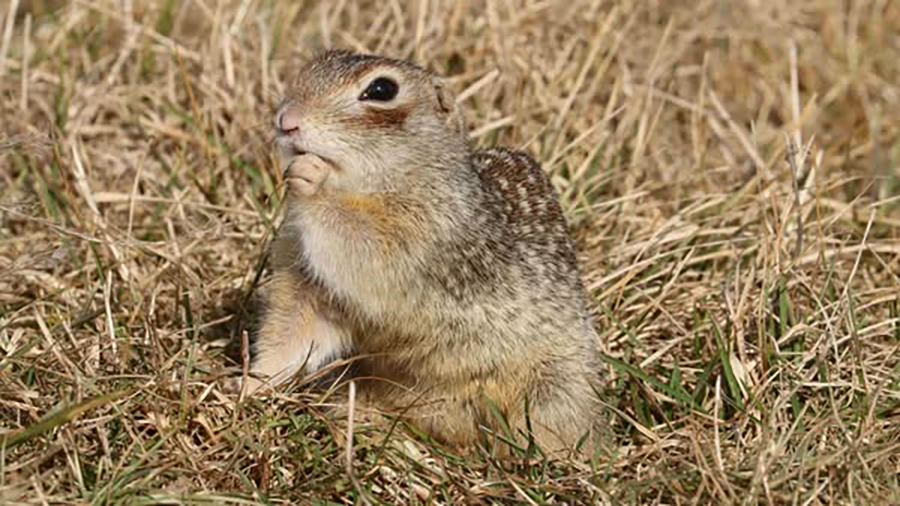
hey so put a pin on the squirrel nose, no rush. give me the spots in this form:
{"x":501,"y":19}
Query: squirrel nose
{"x":286,"y":121}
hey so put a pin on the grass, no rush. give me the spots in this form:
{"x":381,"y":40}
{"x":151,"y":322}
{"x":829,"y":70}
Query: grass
{"x":730,"y":170}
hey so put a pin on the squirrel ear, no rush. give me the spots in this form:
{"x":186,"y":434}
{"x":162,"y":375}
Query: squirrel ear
{"x":445,"y":101}
{"x":446,"y":104}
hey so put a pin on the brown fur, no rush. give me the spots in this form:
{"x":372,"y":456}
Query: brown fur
{"x":451,"y":270}
{"x":383,"y":118}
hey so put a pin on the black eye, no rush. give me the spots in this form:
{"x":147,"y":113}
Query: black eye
{"x":382,"y":89}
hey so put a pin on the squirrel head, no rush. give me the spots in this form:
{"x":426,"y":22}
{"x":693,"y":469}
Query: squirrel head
{"x":380,"y":123}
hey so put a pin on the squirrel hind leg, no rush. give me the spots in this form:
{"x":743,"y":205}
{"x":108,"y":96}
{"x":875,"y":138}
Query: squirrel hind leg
{"x":293,"y":336}
{"x":564,"y":416}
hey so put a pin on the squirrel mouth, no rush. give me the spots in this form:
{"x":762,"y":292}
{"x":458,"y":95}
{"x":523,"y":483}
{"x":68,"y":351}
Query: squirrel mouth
{"x":288,"y":145}
{"x":291,"y":150}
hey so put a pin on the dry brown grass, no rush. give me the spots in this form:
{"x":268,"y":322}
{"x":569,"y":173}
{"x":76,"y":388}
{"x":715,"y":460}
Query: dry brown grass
{"x":747,"y":288}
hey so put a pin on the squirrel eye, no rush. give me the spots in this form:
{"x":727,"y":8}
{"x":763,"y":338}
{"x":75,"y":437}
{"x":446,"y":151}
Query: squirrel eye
{"x":381,"y":89}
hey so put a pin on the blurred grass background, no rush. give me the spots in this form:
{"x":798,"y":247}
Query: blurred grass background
{"x":730,"y":170}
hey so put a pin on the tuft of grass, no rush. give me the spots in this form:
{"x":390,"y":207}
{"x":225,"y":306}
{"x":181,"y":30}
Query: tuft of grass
{"x":729,"y":169}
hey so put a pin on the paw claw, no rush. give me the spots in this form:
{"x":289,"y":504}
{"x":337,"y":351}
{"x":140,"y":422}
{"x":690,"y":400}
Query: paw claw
{"x":306,"y":174}
{"x":234,"y":384}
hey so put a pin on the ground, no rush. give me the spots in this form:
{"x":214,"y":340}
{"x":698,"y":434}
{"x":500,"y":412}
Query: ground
{"x":730,"y":170}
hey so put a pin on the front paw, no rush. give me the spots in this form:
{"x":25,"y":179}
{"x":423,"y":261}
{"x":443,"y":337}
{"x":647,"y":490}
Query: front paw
{"x":234,"y":384}
{"x":306,"y":174}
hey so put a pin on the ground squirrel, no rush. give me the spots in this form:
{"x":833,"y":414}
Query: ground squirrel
{"x":451,"y":269}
